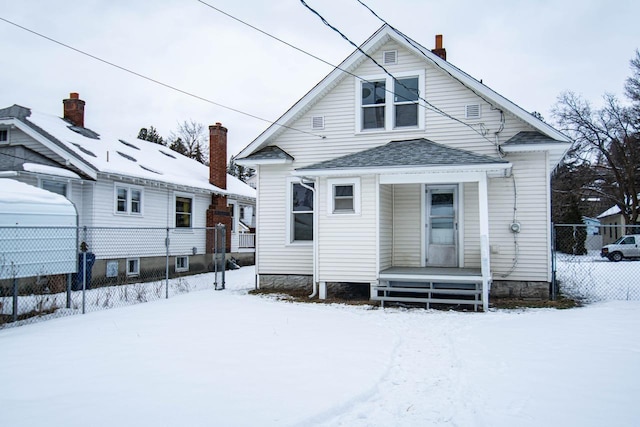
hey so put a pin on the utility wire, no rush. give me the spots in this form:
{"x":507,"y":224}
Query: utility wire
{"x":168,"y":86}
{"x":428,"y":104}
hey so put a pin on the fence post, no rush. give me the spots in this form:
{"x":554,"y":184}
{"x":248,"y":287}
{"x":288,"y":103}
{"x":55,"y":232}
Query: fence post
{"x":553,"y":262}
{"x":15,"y":293}
{"x":166,"y":244}
{"x":84,"y":270}
{"x":69,"y":281}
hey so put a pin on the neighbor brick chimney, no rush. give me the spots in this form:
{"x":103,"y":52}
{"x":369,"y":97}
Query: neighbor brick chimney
{"x":218,"y":155}
{"x":218,"y":212}
{"x":439,"y":50}
{"x":74,"y":109}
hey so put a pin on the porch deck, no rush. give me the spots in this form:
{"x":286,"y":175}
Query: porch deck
{"x":430,"y":285}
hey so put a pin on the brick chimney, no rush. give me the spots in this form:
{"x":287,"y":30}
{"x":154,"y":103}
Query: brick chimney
{"x":74,"y":109}
{"x":439,"y":50}
{"x":218,"y":155}
{"x":218,"y":212}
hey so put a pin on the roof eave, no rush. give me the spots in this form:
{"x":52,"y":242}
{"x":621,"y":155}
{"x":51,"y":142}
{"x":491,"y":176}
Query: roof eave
{"x":75,"y":161}
{"x":258,"y":162}
{"x":499,"y":168}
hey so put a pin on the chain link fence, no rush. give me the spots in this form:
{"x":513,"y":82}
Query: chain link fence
{"x":53,"y":272}
{"x":584,"y":271}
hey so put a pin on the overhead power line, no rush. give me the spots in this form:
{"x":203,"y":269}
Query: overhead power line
{"x":150,"y":79}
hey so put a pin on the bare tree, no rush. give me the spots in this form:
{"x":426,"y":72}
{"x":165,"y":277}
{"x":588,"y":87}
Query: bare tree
{"x":606,"y":144}
{"x":191,"y":139}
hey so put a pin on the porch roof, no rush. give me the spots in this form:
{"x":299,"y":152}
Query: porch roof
{"x":419,"y":152}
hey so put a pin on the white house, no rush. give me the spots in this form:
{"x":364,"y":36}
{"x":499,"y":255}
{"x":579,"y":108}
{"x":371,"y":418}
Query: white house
{"x":417,"y":181}
{"x":117,"y":184}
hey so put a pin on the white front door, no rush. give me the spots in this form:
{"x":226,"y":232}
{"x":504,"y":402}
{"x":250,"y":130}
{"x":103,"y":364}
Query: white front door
{"x":441,"y":222}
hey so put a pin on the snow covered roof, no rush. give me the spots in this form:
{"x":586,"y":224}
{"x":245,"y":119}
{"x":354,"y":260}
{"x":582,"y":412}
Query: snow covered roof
{"x":18,"y":192}
{"x":49,"y":170}
{"x":613,"y":210}
{"x":108,"y":154}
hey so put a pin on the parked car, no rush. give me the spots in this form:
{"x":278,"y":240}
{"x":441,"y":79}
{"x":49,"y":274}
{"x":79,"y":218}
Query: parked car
{"x":625,"y":247}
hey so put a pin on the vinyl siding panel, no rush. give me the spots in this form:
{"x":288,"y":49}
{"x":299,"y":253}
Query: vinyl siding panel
{"x":348,"y":250}
{"x":386,"y":226}
{"x":276,"y":255}
{"x":532,"y":194}
{"x":407,"y":221}
{"x":471,"y":235}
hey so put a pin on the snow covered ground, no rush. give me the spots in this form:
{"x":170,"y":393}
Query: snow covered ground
{"x":226,"y":358}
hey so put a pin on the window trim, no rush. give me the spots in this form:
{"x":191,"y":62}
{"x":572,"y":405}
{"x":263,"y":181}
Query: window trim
{"x":66,"y":183}
{"x":332,"y":183}
{"x":289,"y":215}
{"x":186,"y":263}
{"x":177,"y":194}
{"x":389,"y":105}
{"x":129,"y":201}
{"x":137,"y":264}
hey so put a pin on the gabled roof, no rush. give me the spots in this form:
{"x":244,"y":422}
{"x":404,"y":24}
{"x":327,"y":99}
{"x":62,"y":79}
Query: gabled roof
{"x":103,"y":153}
{"x":384,"y":34}
{"x":270,"y":154}
{"x":416,"y":153}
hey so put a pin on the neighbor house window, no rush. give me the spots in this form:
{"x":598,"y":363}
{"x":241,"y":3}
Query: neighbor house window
{"x":385,"y":103}
{"x":54,"y":186}
{"x":133,"y":267}
{"x":184,"y":211}
{"x":128,"y":200}
{"x":232,"y":211}
{"x":344,"y":196}
{"x":182,"y":263}
{"x":4,"y":135}
{"x":301,"y":212}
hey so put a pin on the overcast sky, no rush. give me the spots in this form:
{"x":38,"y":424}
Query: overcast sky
{"x":528,"y":51}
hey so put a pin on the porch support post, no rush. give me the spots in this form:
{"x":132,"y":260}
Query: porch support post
{"x":483,"y":201}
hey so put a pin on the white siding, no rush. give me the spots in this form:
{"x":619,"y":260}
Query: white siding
{"x":348,"y":249}
{"x":532,"y":260}
{"x":471,"y":236}
{"x":386,"y":226}
{"x":407,"y":222}
{"x":277,"y":256}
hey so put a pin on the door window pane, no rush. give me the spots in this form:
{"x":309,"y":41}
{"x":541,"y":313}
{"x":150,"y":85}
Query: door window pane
{"x":442,"y":231}
{"x":442,"y":204}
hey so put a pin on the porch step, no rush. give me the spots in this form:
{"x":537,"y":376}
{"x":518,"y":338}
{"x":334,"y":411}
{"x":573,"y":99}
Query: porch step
{"x":431,"y":293}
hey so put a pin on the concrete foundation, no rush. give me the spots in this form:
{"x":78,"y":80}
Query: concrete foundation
{"x":520,"y":290}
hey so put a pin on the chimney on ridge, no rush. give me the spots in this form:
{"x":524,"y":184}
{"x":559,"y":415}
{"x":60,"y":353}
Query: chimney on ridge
{"x":218,"y":156}
{"x":74,"y":109}
{"x":439,"y":50}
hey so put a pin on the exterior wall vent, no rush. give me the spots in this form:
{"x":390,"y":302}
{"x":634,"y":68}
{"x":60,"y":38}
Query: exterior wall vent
{"x":390,"y":57}
{"x":317,"y":122}
{"x":472,"y":111}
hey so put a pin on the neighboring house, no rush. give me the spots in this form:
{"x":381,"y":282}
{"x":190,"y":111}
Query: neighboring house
{"x":128,"y":183}
{"x":613,"y":222}
{"x":594,"y":238}
{"x":427,"y":182}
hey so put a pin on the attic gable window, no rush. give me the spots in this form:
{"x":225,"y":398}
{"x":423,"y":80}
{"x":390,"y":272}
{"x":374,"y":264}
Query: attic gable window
{"x":385,"y":103}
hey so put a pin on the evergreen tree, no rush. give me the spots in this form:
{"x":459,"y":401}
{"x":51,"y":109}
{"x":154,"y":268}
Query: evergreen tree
{"x":150,"y":134}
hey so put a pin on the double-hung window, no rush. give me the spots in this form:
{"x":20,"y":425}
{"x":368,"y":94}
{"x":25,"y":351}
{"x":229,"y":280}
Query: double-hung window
{"x":390,"y":103}
{"x":184,"y":211}
{"x":300,"y":212}
{"x":128,"y":200}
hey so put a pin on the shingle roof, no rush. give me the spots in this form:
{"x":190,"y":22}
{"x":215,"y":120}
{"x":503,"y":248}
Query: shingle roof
{"x":271,"y":152}
{"x":530,"y":138}
{"x":415,"y":152}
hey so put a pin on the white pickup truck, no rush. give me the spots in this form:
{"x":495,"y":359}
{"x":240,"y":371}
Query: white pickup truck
{"x":625,"y":247}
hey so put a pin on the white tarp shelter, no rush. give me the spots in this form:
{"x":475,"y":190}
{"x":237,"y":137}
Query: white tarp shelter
{"x":37,"y":231}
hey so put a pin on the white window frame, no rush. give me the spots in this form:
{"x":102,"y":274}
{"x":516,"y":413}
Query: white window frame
{"x":289,"y":215}
{"x":389,"y":101}
{"x":332,"y":183}
{"x":135,"y":273}
{"x":177,"y":194}
{"x":129,"y":201}
{"x":185,"y":267}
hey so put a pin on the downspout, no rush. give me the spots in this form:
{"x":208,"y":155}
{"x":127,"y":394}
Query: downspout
{"x":314,"y":293}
